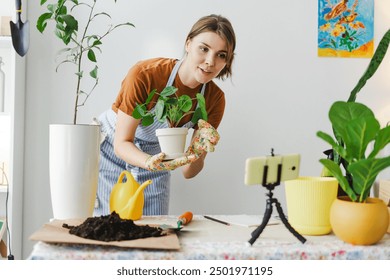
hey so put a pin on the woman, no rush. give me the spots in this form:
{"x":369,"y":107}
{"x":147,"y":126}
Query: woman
{"x":128,"y":145}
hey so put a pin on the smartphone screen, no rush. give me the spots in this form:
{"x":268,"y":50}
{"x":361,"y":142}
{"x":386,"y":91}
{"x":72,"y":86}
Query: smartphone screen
{"x":254,"y":169}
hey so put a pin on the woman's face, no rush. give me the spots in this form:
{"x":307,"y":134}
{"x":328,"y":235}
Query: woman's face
{"x":206,"y":57}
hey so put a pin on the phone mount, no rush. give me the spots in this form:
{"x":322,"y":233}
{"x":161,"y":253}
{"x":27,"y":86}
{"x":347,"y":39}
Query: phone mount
{"x":268,"y":210}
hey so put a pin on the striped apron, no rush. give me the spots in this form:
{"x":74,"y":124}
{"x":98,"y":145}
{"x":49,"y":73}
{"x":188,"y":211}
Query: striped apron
{"x":110,"y":166}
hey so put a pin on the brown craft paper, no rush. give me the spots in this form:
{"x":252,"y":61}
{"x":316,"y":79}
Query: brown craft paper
{"x":53,"y":232}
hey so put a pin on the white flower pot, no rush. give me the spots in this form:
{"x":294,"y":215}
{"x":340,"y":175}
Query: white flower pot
{"x":172,"y":141}
{"x":74,"y":169}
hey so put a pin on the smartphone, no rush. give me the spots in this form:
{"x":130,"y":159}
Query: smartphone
{"x":254,"y":169}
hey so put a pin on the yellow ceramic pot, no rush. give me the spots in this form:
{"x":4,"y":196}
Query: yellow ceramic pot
{"x":359,"y":223}
{"x":308,"y":204}
{"x":388,"y":210}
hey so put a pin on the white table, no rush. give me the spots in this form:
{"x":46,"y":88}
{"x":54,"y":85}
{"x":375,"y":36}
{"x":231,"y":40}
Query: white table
{"x":203,"y":239}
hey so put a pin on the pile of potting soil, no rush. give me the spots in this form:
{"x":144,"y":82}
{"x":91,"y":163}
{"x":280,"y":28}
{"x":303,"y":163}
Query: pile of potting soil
{"x":112,"y":228}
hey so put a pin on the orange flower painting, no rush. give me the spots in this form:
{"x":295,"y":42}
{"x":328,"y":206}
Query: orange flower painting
{"x":346,"y":28}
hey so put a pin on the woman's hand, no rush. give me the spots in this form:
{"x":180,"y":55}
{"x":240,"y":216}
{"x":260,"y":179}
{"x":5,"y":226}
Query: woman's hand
{"x":157,"y":163}
{"x":205,"y":139}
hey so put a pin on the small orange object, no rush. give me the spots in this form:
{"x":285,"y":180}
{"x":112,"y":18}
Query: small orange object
{"x":185,"y":218}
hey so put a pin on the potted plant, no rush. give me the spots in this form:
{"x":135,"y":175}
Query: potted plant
{"x":74,"y":149}
{"x":171,"y":108}
{"x":375,"y":61}
{"x":357,"y":126}
{"x":354,"y":128}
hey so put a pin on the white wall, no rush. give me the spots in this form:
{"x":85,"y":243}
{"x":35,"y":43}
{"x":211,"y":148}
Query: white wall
{"x":278,"y":98}
{"x":6,"y":9}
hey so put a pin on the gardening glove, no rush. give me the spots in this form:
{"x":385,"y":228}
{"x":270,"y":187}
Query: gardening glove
{"x":205,"y":139}
{"x":157,"y":163}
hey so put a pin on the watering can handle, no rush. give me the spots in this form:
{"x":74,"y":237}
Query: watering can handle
{"x":124,"y":172}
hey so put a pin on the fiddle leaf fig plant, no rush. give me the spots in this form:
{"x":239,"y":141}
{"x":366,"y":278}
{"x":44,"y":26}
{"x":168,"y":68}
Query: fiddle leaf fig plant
{"x":170,"y":107}
{"x":79,"y":45}
{"x":357,"y":126}
{"x":334,"y":153}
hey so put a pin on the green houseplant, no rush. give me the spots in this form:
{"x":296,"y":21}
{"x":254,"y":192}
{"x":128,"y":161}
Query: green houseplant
{"x":357,"y":218}
{"x":74,"y":149}
{"x":80,"y":47}
{"x":356,"y":124}
{"x":171,"y":108}
{"x":375,"y":61}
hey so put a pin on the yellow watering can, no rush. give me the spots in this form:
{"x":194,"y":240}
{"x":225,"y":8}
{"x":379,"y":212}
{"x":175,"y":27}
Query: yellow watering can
{"x":127,"y":199}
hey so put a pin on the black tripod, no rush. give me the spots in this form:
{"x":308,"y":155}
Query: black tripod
{"x":268,"y":210}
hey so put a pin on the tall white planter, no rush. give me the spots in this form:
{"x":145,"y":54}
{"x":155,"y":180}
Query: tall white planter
{"x":74,"y":169}
{"x":172,"y":141}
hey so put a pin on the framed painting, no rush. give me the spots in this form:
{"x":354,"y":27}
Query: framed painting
{"x":346,"y":28}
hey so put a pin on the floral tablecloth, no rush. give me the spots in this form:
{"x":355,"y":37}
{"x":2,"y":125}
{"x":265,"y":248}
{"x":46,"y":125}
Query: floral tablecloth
{"x":207,"y":240}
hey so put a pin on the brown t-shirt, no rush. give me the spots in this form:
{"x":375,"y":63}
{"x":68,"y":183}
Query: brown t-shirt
{"x":151,"y":74}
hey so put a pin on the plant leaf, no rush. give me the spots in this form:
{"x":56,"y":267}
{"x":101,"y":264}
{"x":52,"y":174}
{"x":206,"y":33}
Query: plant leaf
{"x":174,"y":114}
{"x":150,"y":96}
{"x":375,"y":61}
{"x":139,"y":111}
{"x":71,"y":22}
{"x":159,"y":110}
{"x":335,"y":170}
{"x":364,"y":173}
{"x":91,"y":55}
{"x":382,"y":139}
{"x":102,"y":13}
{"x":197,"y":115}
{"x":122,"y":24}
{"x":202,"y":105}
{"x":170,"y":101}
{"x":58,"y":9}
{"x":341,"y":113}
{"x":358,"y":134}
{"x":168,"y":91}
{"x":42,"y":21}
{"x":147,"y":120}
{"x":329,"y":139}
{"x":93,"y":73}
{"x":184,"y":103}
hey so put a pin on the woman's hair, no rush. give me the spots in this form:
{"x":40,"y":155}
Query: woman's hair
{"x":221,"y":26}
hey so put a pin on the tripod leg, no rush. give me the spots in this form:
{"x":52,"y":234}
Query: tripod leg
{"x":287,"y":224}
{"x":267,"y":215}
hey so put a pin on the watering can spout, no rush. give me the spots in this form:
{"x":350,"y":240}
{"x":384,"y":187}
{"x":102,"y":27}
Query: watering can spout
{"x":136,"y":203}
{"x":127,"y":199}
{"x":141,"y":188}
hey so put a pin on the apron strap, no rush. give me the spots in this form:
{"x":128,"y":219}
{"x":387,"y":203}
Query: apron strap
{"x":172,"y":79}
{"x":174,"y":73}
